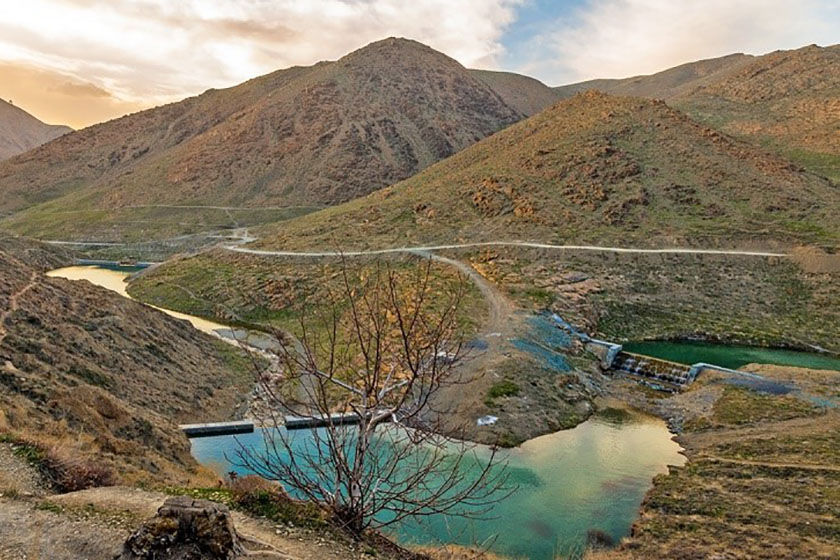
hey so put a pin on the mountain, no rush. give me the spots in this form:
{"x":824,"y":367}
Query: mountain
{"x":299,"y":137}
{"x":527,"y":95}
{"x":594,"y":168}
{"x":666,"y":84}
{"x":20,"y":131}
{"x":91,"y":372}
{"x":787,"y":101}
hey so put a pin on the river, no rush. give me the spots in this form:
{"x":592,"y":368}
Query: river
{"x":591,"y":477}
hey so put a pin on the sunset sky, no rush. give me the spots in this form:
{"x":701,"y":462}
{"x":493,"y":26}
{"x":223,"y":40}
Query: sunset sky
{"x":79,"y":62}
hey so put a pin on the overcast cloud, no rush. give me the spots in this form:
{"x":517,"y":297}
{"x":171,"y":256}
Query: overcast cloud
{"x":622,"y":38}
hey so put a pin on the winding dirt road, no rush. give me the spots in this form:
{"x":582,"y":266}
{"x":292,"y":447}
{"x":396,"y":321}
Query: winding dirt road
{"x":430,"y":248}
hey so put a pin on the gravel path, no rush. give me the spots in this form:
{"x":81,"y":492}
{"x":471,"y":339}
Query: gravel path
{"x":16,"y":475}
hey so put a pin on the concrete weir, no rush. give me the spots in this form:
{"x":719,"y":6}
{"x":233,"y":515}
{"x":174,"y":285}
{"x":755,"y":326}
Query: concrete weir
{"x":657,"y":373}
{"x":217,"y":428}
{"x":247,"y":426}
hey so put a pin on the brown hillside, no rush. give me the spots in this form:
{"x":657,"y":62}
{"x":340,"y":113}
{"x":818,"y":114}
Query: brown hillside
{"x":20,"y":131}
{"x":84,"y":368}
{"x":594,"y":168}
{"x":788,"y":101}
{"x":525,"y":94}
{"x":665,"y":84}
{"x":304,"y":136}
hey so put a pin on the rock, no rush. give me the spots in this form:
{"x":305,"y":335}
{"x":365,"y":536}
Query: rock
{"x":185,"y":529}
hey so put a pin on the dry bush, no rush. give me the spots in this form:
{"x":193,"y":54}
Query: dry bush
{"x":70,"y":474}
{"x":241,"y":487}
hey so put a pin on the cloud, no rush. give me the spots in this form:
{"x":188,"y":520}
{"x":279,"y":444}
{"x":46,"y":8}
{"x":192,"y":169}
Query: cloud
{"x":73,"y":89}
{"x":57,"y":98}
{"x":147,"y":52}
{"x":620,"y":38}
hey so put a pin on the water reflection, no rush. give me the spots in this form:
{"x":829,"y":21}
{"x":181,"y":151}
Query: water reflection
{"x":591,"y":477}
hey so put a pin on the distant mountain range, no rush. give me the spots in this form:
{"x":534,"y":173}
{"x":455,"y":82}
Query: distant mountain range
{"x":594,"y":168}
{"x":318,"y":135}
{"x":20,"y":131}
{"x":309,"y":137}
{"x":786,"y":101}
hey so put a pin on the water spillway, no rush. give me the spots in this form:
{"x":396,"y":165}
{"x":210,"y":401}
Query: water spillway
{"x":671,"y":374}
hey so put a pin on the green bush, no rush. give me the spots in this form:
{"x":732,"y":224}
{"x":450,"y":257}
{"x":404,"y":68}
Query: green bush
{"x":504,"y":388}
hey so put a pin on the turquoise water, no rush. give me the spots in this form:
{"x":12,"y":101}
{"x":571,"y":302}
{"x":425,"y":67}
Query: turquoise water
{"x":591,"y":477}
{"x":730,"y":356}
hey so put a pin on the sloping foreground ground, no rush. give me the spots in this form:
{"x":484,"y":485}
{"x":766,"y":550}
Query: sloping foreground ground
{"x":85,"y":372}
{"x":762,"y":481}
{"x":95,"y":523}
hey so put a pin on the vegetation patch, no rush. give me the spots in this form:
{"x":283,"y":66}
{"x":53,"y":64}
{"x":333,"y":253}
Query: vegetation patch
{"x":63,"y":472}
{"x":501,"y":389}
{"x":741,"y":406}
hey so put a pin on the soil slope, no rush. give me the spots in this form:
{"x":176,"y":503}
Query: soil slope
{"x":20,"y":131}
{"x":94,"y":373}
{"x":594,"y":168}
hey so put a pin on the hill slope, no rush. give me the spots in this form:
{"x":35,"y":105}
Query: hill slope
{"x":788,"y":101}
{"x":666,"y":84}
{"x":90,"y":370}
{"x":594,"y":168}
{"x":304,"y":136}
{"x":20,"y":131}
{"x":527,"y":95}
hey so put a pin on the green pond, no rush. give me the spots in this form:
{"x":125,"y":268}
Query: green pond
{"x":730,"y":356}
{"x":591,"y":477}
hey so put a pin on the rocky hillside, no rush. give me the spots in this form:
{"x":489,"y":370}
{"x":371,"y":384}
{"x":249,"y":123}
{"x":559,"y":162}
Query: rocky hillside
{"x":303,"y":136}
{"x":595,"y":168}
{"x":20,"y":131}
{"x":788,"y":101}
{"x":93,"y":373}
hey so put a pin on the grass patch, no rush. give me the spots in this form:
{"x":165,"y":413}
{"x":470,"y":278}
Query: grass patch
{"x":739,"y":406}
{"x":504,"y":388}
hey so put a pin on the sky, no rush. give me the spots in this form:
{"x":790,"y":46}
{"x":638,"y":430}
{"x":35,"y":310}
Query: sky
{"x":80,"y":62}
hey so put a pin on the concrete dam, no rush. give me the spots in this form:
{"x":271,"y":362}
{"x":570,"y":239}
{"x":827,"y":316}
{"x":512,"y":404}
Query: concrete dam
{"x":659,"y":374}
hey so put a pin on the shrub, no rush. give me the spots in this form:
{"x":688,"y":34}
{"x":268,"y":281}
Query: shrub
{"x":263,"y":498}
{"x":597,"y":539}
{"x":505,"y":388}
{"x":64,"y":473}
{"x":72,"y":474}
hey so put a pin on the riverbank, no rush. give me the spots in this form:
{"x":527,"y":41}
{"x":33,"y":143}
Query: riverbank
{"x":762,"y":479}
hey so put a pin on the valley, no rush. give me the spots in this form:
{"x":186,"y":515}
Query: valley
{"x":182,"y":263}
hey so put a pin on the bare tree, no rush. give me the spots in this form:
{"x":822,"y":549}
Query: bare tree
{"x":375,"y":353}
